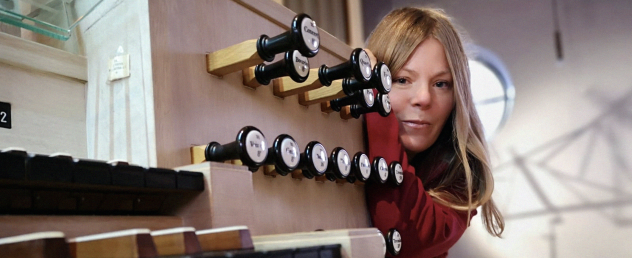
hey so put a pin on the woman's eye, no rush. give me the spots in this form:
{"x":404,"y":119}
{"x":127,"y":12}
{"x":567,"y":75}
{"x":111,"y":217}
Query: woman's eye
{"x":400,"y":80}
{"x":442,"y":84}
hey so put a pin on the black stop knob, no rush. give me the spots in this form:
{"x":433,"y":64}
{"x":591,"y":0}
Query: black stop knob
{"x":293,"y":64}
{"x":395,"y":173}
{"x":339,"y":164}
{"x":314,"y":160}
{"x":393,"y":242}
{"x":284,"y":154}
{"x":379,"y":170}
{"x":361,"y":167}
{"x":358,"y":66}
{"x":302,"y":36}
{"x":250,"y":147}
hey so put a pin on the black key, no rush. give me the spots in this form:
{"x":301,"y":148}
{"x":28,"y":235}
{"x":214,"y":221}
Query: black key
{"x":13,"y":165}
{"x":124,"y":174}
{"x":160,"y":178}
{"x":92,"y":172}
{"x":52,"y":169}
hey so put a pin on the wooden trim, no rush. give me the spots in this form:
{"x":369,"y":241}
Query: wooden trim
{"x":76,"y":225}
{"x":322,"y":94}
{"x":355,"y":31}
{"x":27,"y":54}
{"x":280,"y":15}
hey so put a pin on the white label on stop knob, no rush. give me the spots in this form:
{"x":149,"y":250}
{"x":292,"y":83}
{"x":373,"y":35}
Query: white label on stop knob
{"x":319,"y":157}
{"x":386,"y":77}
{"x":382,"y":169}
{"x":256,"y":146}
{"x":399,"y":173}
{"x":310,"y":34}
{"x":397,"y":241}
{"x":344,"y":163}
{"x":365,"y":166}
{"x":369,"y":98}
{"x":290,"y":152}
{"x":386,"y":103}
{"x":301,"y":64}
{"x":365,"y":65}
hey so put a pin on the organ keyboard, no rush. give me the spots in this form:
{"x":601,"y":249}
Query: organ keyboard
{"x":59,"y":184}
{"x":186,"y":242}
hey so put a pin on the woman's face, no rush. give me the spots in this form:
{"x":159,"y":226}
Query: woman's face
{"x":422,"y":96}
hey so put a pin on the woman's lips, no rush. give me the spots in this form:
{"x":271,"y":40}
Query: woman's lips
{"x":416,"y":124}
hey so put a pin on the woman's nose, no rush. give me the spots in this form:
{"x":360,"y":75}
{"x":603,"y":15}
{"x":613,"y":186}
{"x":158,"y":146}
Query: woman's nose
{"x":422,"y":97}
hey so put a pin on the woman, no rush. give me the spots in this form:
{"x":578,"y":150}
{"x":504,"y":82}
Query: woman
{"x":434,"y":131}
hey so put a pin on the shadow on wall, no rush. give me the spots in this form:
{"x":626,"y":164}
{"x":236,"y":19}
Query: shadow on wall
{"x":603,"y":137}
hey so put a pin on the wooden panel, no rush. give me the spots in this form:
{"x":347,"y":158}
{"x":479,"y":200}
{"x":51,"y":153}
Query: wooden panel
{"x":227,"y":199}
{"x":34,"y":56}
{"x":193,"y":107}
{"x":10,"y":29}
{"x":284,"y":205}
{"x":235,"y":196}
{"x":48,"y":111}
{"x":74,"y":226}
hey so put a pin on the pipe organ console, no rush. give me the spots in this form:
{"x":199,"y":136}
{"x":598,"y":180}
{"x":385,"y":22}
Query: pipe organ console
{"x":190,"y":203}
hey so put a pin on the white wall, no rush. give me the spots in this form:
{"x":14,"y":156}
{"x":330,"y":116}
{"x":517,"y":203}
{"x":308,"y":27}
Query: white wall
{"x":120,"y":120}
{"x":563,"y":161}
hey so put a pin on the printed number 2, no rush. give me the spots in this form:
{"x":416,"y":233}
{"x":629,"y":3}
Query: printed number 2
{"x":3,"y":117}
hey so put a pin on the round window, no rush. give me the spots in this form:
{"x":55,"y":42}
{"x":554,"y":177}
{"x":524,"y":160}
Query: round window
{"x":492,"y":90}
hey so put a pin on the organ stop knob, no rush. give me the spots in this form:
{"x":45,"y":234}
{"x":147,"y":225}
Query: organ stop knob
{"x":249,"y":147}
{"x":314,"y":161}
{"x":395,"y":173}
{"x":360,"y":167}
{"x":393,"y":242}
{"x":293,"y":64}
{"x":379,"y":170}
{"x":339,"y":165}
{"x":284,"y":155}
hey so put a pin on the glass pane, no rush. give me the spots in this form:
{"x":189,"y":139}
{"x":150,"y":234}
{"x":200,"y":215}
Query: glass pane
{"x":53,"y":18}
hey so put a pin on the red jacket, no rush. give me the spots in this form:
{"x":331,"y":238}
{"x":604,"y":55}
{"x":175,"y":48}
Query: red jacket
{"x":428,"y":229}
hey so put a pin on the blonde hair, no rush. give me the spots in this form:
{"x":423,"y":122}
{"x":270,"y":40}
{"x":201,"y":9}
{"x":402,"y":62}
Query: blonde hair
{"x":392,"y":42}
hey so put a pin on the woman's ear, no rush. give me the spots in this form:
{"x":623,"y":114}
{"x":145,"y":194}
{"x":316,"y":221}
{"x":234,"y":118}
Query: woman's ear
{"x":371,"y":56}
